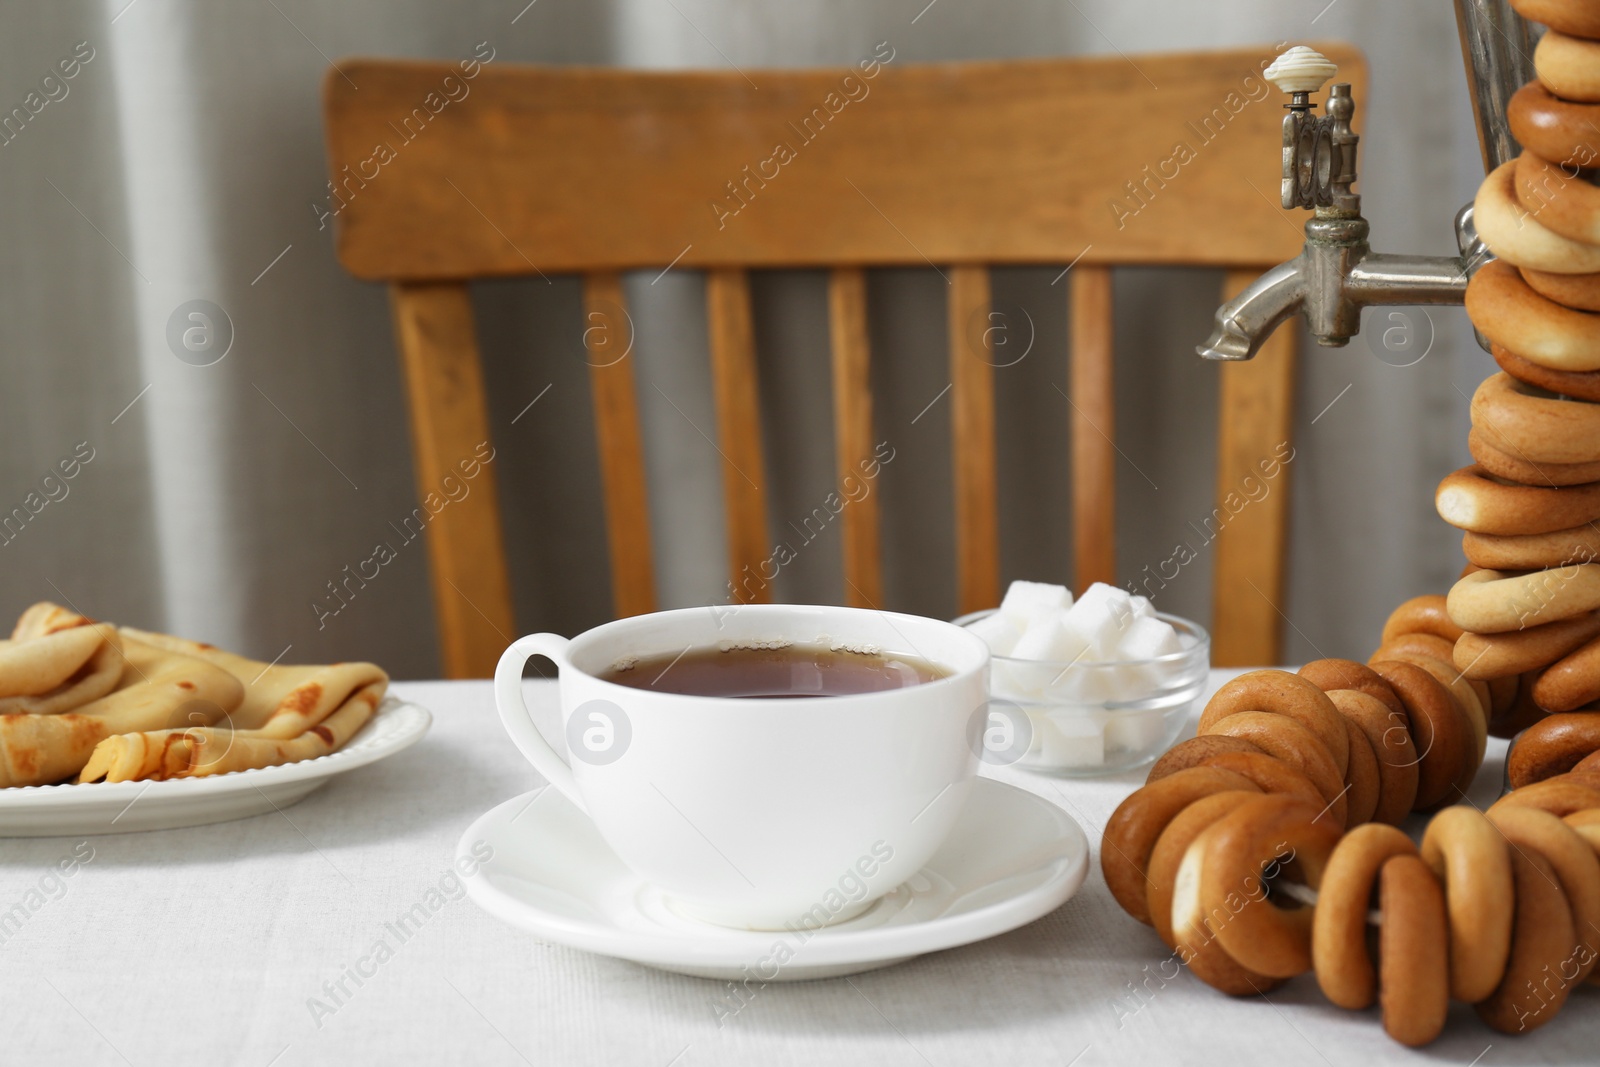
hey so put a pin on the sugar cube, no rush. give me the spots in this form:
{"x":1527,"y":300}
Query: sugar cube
{"x":1094,"y":618}
{"x":1147,"y":638}
{"x":1100,"y":597}
{"x":1036,"y":659}
{"x":1124,"y":684}
{"x":1046,"y":638}
{"x":1025,"y":601}
{"x":998,"y":632}
{"x":1135,"y":731}
{"x":1089,"y":685}
{"x":1070,"y":739}
{"x":1011,"y":680}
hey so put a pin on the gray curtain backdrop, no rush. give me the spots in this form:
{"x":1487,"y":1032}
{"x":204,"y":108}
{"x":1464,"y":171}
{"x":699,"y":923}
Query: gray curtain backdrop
{"x":179,"y":164}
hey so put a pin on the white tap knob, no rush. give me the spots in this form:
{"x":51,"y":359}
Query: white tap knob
{"x":1301,"y":70}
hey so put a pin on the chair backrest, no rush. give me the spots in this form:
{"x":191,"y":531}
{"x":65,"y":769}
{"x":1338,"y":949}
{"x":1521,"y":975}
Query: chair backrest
{"x":442,"y":173}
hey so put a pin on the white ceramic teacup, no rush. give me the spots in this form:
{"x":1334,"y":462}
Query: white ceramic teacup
{"x":755,"y":812}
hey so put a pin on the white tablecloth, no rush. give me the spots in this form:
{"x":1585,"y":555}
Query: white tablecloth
{"x":208,"y":945}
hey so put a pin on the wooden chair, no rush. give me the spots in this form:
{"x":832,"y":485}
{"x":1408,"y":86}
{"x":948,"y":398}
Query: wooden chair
{"x":569,"y":170}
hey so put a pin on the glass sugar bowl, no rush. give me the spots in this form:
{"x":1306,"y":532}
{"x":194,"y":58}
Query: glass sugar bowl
{"x":1087,"y":718}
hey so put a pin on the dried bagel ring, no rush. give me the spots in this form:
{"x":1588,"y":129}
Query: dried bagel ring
{"x":1389,"y":737}
{"x":1560,"y":795}
{"x":1576,"y":18}
{"x":1575,"y":865}
{"x":1472,"y":697}
{"x":1474,"y":500}
{"x":1273,"y":835}
{"x":1580,"y":291}
{"x":1523,"y":714}
{"x":1586,"y":824}
{"x":1413,"y":952}
{"x":1271,"y":774}
{"x":1543,"y":939}
{"x":1508,"y":311}
{"x":1132,"y":830}
{"x":1426,"y":614}
{"x":1520,"y":651}
{"x":1571,"y":681}
{"x":1517,"y":238}
{"x":1194,"y":752}
{"x":1330,"y":674}
{"x":1554,"y":745}
{"x":1339,"y":930}
{"x":1169,"y":850}
{"x":1569,"y":66}
{"x":1582,"y":385}
{"x":1489,"y":602}
{"x":1283,"y":738}
{"x":1194,"y":938}
{"x":1540,"y":428}
{"x":1285,"y":694}
{"x":1523,"y":552}
{"x":1439,"y":730}
{"x":1362,"y":783}
{"x":1430,"y":645}
{"x":1470,"y":857}
{"x":1480,"y":723}
{"x":1558,"y":198}
{"x":1502,"y":695}
{"x":1472,"y":706}
{"x":1552,"y":128}
{"x":1494,"y":456}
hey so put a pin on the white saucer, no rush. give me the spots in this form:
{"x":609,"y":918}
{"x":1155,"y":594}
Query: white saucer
{"x":1011,"y":858}
{"x":123,"y":807}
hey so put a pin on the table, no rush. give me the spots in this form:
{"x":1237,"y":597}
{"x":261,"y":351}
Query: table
{"x":207,"y":945}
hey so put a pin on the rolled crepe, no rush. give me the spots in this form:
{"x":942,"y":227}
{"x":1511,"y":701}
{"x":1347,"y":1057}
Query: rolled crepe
{"x":48,"y":650}
{"x":199,"y":751}
{"x":158,"y":689}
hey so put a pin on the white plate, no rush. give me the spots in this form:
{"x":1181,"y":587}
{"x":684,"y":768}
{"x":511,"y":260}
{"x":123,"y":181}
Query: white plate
{"x":1011,"y":858}
{"x":123,"y":807}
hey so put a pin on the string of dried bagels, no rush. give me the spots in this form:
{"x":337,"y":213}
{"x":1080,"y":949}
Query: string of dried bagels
{"x":1236,"y":851}
{"x":92,"y":702}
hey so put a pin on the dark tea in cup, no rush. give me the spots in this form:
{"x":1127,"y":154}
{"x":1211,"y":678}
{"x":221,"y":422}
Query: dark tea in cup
{"x":788,"y":670}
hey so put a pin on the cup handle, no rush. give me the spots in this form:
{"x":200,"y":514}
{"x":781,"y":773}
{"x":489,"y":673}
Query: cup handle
{"x":514,"y":713}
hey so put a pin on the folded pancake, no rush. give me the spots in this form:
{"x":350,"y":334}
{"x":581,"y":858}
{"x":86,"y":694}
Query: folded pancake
{"x":97,"y":676}
{"x":279,"y":701}
{"x":157,"y":689}
{"x":56,"y":660}
{"x":199,"y":751}
{"x":44,"y":619}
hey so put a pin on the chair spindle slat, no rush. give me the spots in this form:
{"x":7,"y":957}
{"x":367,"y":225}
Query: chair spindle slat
{"x":738,"y":401}
{"x":973,"y":439}
{"x":608,"y":341}
{"x":852,"y":432}
{"x":450,"y":427}
{"x":1256,"y":416}
{"x":1093,"y":398}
